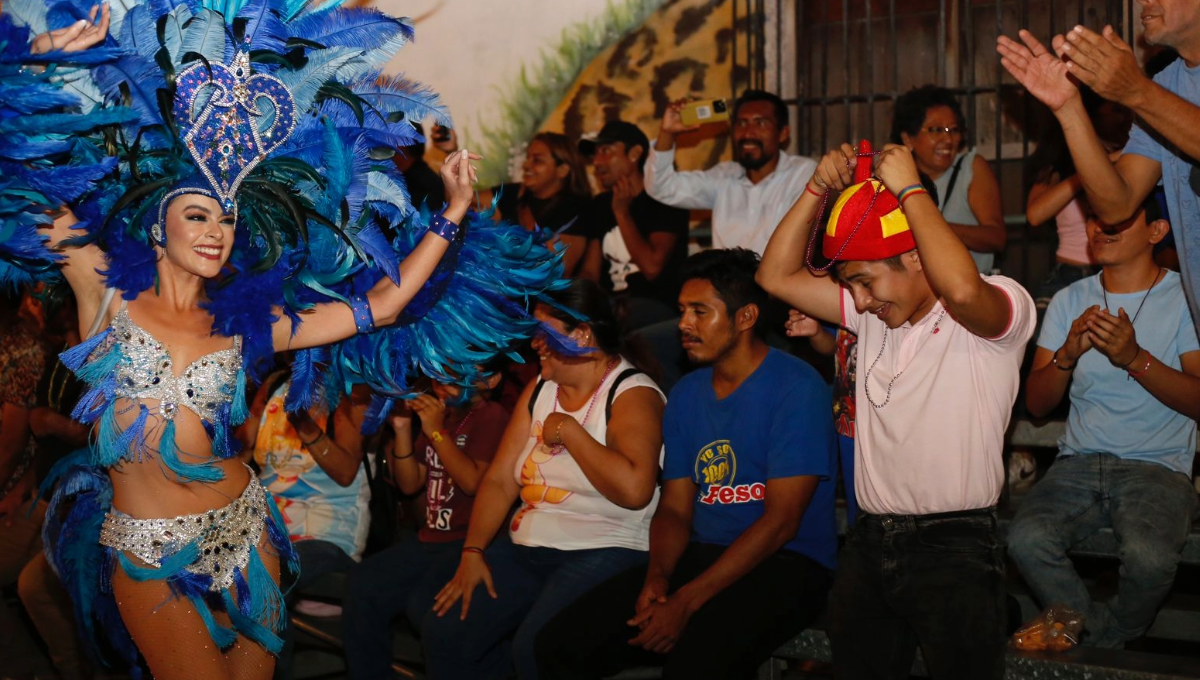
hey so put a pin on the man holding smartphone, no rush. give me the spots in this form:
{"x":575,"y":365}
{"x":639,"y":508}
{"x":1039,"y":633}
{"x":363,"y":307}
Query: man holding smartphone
{"x":748,"y":196}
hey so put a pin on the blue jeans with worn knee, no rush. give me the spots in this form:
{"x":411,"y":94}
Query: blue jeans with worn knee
{"x":1149,"y":507}
{"x":532,"y":586}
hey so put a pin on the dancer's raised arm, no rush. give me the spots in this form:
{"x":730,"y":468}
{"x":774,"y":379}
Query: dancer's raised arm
{"x":333,"y":321}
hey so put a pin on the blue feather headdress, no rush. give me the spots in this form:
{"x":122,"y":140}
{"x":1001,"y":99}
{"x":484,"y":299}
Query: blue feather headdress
{"x":330,"y":212}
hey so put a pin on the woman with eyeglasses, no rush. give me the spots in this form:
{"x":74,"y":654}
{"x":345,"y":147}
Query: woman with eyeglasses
{"x":929,"y":121}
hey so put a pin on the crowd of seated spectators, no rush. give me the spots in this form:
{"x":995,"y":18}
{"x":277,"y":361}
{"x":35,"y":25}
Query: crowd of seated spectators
{"x":670,"y":473}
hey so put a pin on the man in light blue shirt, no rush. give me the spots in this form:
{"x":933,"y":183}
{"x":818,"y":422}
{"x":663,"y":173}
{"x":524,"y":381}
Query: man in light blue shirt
{"x":1124,"y":343}
{"x":1162,"y":144}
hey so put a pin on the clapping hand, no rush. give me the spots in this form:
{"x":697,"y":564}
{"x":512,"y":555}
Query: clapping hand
{"x":1114,"y":337}
{"x":1103,"y":62}
{"x":1078,"y":340}
{"x":1046,"y":75}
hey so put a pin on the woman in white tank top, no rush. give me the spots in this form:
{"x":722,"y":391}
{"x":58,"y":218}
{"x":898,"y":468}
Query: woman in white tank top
{"x":581,"y":454}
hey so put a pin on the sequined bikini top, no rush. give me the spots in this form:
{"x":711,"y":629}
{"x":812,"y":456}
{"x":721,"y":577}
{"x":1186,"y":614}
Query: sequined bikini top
{"x":147,"y":372}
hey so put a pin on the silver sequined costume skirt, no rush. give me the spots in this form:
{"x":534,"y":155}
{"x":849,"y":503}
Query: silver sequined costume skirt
{"x":225,"y":536}
{"x":213,"y":560}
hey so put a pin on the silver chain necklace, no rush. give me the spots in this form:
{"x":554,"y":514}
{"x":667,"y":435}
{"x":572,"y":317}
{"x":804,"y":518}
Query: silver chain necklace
{"x":882,"y":347}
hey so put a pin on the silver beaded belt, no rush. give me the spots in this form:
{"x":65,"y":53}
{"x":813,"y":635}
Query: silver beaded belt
{"x":225,"y":536}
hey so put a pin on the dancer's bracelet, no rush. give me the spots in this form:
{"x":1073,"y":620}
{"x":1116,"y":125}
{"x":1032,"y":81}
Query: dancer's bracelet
{"x":364,"y":319}
{"x":439,"y":224}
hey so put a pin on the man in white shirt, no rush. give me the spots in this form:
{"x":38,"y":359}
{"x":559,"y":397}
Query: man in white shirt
{"x":747,"y":197}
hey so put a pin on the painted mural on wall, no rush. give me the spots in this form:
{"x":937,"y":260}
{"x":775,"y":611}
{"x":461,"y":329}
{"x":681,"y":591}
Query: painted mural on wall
{"x":518,"y":69}
{"x":685,"y":48}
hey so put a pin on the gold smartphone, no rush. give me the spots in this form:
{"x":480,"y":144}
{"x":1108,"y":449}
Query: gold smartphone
{"x":704,"y":111}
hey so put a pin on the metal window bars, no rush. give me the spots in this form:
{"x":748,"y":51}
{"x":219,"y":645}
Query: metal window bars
{"x":839,"y":64}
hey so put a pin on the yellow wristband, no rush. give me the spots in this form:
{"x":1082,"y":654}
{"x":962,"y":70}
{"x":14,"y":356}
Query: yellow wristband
{"x":437,"y":436}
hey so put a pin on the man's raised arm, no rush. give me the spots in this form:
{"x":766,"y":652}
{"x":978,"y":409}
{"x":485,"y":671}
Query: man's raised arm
{"x":783,"y":271}
{"x":1114,"y":191}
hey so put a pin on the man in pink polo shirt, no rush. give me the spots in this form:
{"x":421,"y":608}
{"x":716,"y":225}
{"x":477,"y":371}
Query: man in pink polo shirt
{"x":939,"y":349}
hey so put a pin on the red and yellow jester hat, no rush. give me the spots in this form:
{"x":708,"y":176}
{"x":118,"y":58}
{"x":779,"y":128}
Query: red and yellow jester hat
{"x":866,"y":222}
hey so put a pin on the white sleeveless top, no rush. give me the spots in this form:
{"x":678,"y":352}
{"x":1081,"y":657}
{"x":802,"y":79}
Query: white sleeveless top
{"x":560,"y":508}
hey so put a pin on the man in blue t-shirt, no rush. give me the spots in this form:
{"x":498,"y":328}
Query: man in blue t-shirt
{"x":1161,"y":147}
{"x":743,"y":543}
{"x":1124,"y":343}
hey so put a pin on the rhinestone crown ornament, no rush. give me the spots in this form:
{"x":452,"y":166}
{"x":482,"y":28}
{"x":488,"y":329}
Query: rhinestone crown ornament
{"x":242,"y":118}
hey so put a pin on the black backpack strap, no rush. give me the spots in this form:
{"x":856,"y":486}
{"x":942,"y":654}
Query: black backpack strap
{"x":537,"y":389}
{"x":612,"y":393}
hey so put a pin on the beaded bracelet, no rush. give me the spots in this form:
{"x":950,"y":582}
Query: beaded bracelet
{"x":1137,"y":374}
{"x":440,"y":225}
{"x":364,"y":320}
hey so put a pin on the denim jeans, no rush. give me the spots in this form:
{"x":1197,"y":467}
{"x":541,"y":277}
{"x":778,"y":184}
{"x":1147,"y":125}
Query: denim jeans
{"x":1149,"y":508}
{"x":401,"y":580}
{"x":317,"y":558}
{"x":726,"y":639}
{"x":532,"y":585}
{"x":936,"y":581}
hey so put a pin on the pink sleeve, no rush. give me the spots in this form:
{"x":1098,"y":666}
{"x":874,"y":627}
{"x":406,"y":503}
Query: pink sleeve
{"x":1022,"y":314}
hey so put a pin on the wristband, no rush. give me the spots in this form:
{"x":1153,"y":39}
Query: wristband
{"x":314,"y":439}
{"x":443,"y":227}
{"x":908,"y":192}
{"x":410,"y":455}
{"x":1138,"y":374}
{"x":438,"y":436}
{"x":477,"y":551}
{"x":1060,"y":366}
{"x":364,"y":320}
{"x":809,"y":189}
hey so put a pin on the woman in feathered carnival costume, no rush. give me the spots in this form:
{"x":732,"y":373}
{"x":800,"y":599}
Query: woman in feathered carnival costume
{"x":225,"y":167}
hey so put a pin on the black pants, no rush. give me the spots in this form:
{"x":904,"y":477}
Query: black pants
{"x":728,"y":638}
{"x":931,"y":580}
